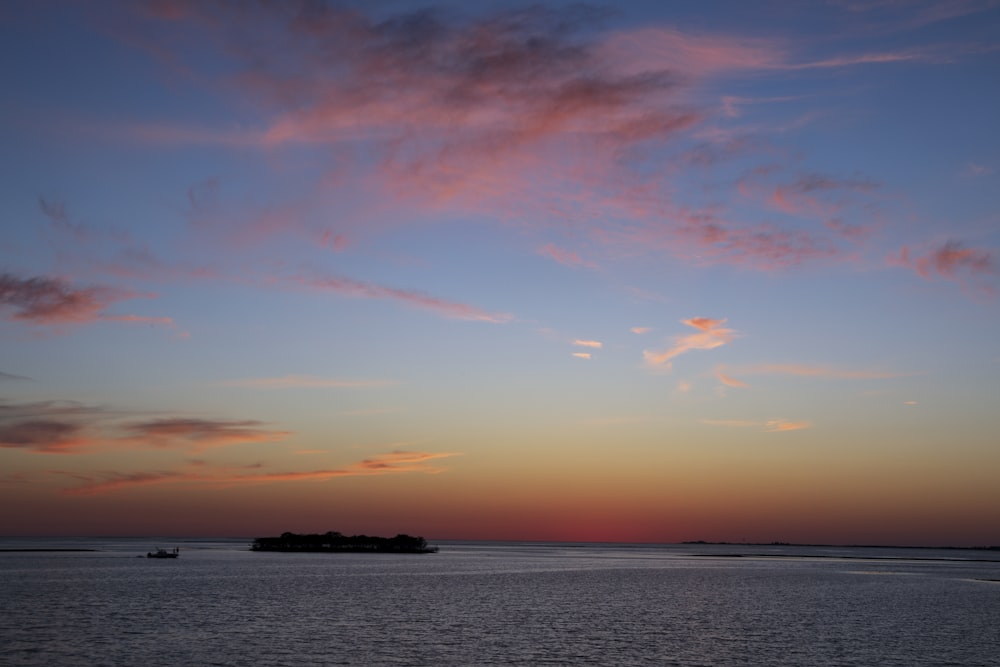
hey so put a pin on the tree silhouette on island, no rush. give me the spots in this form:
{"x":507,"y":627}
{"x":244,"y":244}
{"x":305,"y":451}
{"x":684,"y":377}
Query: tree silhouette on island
{"x":331,"y":542}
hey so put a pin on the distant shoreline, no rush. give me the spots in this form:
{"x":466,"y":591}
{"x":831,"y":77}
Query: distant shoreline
{"x":42,"y":550}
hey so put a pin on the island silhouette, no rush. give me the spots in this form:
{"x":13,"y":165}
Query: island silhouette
{"x":334,"y":542}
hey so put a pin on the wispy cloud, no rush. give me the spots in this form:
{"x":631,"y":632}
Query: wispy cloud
{"x":728,"y":380}
{"x":582,"y":355}
{"x":359,"y":289}
{"x":770,"y":426}
{"x":711,"y":334}
{"x":884,"y":57}
{"x":403,"y":461}
{"x":396,"y":462}
{"x":530,"y":115}
{"x":951,"y":260}
{"x":641,"y":330}
{"x":12,"y":376}
{"x":50,"y":427}
{"x":596,"y":344}
{"x":49,"y":436}
{"x":66,"y":427}
{"x":200,"y":433}
{"x":782,"y":425}
{"x":307,"y":382}
{"x":799,"y":196}
{"x":563,"y":256}
{"x":44,"y":300}
{"x":974,"y":169}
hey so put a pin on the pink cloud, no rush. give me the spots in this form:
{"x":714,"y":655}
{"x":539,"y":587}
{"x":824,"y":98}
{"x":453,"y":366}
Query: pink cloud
{"x":43,"y":300}
{"x":974,"y":169}
{"x":711,"y":334}
{"x":951,"y":260}
{"x":582,"y":355}
{"x":51,"y":301}
{"x":667,"y":49}
{"x":640,"y":330}
{"x":481,"y":115}
{"x":801,"y":196}
{"x":865,"y":59}
{"x":359,"y":289}
{"x":588,"y":343}
{"x":567,"y":257}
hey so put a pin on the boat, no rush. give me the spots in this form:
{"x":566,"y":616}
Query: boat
{"x":163,"y":553}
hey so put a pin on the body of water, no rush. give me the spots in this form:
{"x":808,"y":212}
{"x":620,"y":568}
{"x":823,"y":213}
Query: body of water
{"x":496,"y":604}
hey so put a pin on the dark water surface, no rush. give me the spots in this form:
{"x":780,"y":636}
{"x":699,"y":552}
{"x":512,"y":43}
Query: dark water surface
{"x":497,"y":604}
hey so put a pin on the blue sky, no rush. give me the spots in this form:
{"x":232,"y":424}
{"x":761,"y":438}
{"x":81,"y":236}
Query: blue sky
{"x":653,"y":272}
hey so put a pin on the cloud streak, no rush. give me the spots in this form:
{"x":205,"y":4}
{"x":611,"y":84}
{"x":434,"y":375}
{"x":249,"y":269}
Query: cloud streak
{"x":201,"y":433}
{"x":769,"y":426}
{"x":391,"y":463}
{"x":55,"y":427}
{"x":443,"y":307}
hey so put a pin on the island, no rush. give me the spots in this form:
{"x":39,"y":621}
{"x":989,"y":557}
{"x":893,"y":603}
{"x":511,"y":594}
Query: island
{"x":334,"y":542}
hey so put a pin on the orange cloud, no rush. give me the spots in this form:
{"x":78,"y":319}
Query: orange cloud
{"x":776,"y":425}
{"x":729,"y":381}
{"x":395,"y":462}
{"x":202,"y":433}
{"x":588,"y":343}
{"x":711,"y":335}
{"x":641,"y":330}
{"x":773,"y":425}
{"x":582,"y":355}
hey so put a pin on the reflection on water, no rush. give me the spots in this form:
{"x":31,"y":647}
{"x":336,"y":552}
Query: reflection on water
{"x":496,"y":604}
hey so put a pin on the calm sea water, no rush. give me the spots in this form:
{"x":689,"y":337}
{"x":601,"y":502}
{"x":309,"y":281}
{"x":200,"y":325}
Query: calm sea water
{"x":497,"y":604}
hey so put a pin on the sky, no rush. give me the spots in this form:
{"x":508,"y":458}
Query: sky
{"x":640,"y":272}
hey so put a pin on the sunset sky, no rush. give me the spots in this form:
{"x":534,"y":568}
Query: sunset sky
{"x":646,"y":272}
